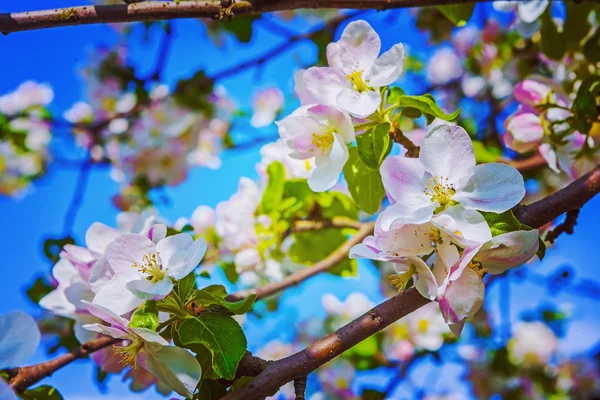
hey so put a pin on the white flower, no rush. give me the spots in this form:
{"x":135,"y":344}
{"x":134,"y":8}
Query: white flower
{"x":266,"y":105}
{"x":278,"y":151}
{"x":174,"y":366}
{"x":533,"y":343}
{"x":19,"y":338}
{"x":355,"y":72}
{"x":79,"y":112}
{"x":444,"y":175}
{"x":319,"y":133}
{"x":145,"y":269}
{"x":444,"y":66}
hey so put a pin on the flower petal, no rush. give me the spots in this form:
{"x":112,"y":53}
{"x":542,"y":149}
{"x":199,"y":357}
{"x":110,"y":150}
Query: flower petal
{"x":447,"y":152}
{"x":157,"y":232}
{"x":127,"y":250}
{"x":324,"y":84}
{"x":388,"y":68}
{"x":19,"y":338}
{"x":466,"y":228}
{"x":359,"y":104}
{"x":549,"y":155}
{"x":335,"y":118}
{"x":6,"y":392}
{"x":326,"y":175}
{"x":508,"y":250}
{"x":404,"y":181}
{"x":107,"y":315}
{"x":100,"y":274}
{"x":169,"y":246}
{"x":493,"y":187}
{"x":174,"y":366}
{"x":147,"y":290}
{"x":186,"y":260}
{"x":106,"y":330}
{"x":356,"y":50}
{"x":530,"y":10}
{"x":115,"y":296}
{"x":425,"y":282}
{"x":150,"y":336}
{"x":525,"y":132}
{"x":99,"y":236}
{"x":463,"y":297}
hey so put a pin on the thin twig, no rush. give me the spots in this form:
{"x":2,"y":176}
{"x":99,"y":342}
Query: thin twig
{"x":300,"y":388}
{"x":568,"y":226}
{"x":77,"y":198}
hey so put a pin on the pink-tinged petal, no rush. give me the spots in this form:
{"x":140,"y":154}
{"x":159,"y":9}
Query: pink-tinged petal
{"x":334,"y":118}
{"x":78,"y":292}
{"x":466,"y":228}
{"x":63,"y":271}
{"x":463,"y":297}
{"x":147,"y":290}
{"x":531,"y":92}
{"x":448,"y":255}
{"x":403,"y":178}
{"x":549,"y":155}
{"x":447,"y":152}
{"x":364,"y":250}
{"x":150,"y":336}
{"x":359,"y":104}
{"x":356,"y":50}
{"x":302,"y":125}
{"x":157,"y":232}
{"x":531,"y":10}
{"x":126,"y":251}
{"x":19,"y":338}
{"x":100,"y":275}
{"x":186,"y":260}
{"x":324,"y":84}
{"x":169,"y":246}
{"x":57,"y":303}
{"x":174,"y":366}
{"x":404,"y":240}
{"x":106,"y":330}
{"x":388,"y":68}
{"x":107,"y":315}
{"x":425,"y":282}
{"x":524,"y":132}
{"x":508,"y":250}
{"x":300,"y":88}
{"x":99,"y":236}
{"x":493,"y":187}
{"x":115,"y":296}
{"x":406,"y":213}
{"x":467,"y":256}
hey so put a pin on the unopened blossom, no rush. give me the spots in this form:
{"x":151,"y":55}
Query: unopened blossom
{"x":444,"y":66}
{"x":443,"y":176}
{"x":532,"y":343}
{"x":174,"y":366}
{"x":265,"y":106}
{"x":356,"y":72}
{"x":145,"y":268}
{"x":319,"y":134}
{"x":19,"y":339}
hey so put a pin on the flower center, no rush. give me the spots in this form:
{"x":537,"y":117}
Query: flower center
{"x":150,"y":267}
{"x":440,"y":191}
{"x":478,"y":268}
{"x":358,"y":83}
{"x":435,"y":236}
{"x":128,"y":354}
{"x":422,"y":325}
{"x":401,"y":280}
{"x":322,"y":142}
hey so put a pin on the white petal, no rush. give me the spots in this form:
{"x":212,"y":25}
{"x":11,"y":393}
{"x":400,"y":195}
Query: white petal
{"x":530,"y":10}
{"x":157,"y":232}
{"x":57,"y":303}
{"x":324,"y":84}
{"x":106,"y":330}
{"x":19,"y":338}
{"x":99,"y":236}
{"x":447,"y":152}
{"x":116,"y":297}
{"x":406,"y":213}
{"x":425,"y":283}
{"x":146,"y":290}
{"x":463,"y":297}
{"x":169,"y":246}
{"x":335,"y":118}
{"x":493,"y":187}
{"x":549,"y":156}
{"x":150,"y":336}
{"x":107,"y":315}
{"x":127,"y":250}
{"x":508,"y":250}
{"x":356,"y":50}
{"x":186,"y":260}
{"x":388,"y":68}
{"x":323,"y":178}
{"x":359,"y":104}
{"x":466,"y":228}
{"x":63,"y":271}
{"x":100,"y":275}
{"x":175,"y":367}
{"x":404,"y":181}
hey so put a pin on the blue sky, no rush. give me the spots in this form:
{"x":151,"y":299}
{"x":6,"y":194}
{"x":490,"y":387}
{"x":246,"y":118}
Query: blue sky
{"x":54,"y":57}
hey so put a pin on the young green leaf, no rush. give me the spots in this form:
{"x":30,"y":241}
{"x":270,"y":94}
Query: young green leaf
{"x":364,"y":183}
{"x":185,"y":287}
{"x":273,"y":193}
{"x":503,"y":223}
{"x":146,"y":316}
{"x":43,"y":392}
{"x":427,"y":105}
{"x":212,"y":296}
{"x":222,"y":335}
{"x":311,"y":247}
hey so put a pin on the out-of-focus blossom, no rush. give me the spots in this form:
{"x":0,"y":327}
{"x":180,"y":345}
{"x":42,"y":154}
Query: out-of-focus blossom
{"x":444,"y":66}
{"x":266,"y":105}
{"x":343,"y":312}
{"x":532,"y":343}
{"x":278,"y":151}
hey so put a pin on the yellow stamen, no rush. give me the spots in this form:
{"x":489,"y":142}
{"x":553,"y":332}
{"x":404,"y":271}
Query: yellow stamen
{"x":128,"y":354}
{"x":356,"y":77}
{"x":401,"y":280}
{"x":151,"y":267}
{"x":440,"y":190}
{"x":322,"y":142}
{"x":307,"y":165}
{"x":478,"y":268}
{"x":422,"y":325}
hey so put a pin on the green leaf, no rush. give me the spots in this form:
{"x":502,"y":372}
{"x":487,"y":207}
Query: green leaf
{"x":209,"y":296}
{"x":210,"y":389}
{"x":336,"y":204}
{"x":503,"y":223}
{"x":577,"y":25}
{"x":145,"y":316}
{"x":427,"y":105}
{"x":486,"y":154}
{"x":273,"y":194}
{"x":204,"y":357}
{"x":39,"y":289}
{"x":591,"y":47}
{"x":311,"y":247}
{"x":171,"y":305}
{"x":185,"y":288}
{"x":393,"y":94}
{"x":458,"y":13}
{"x":584,"y":106}
{"x":240,"y":27}
{"x":553,"y":43}
{"x":541,"y":253}
{"x":374,"y":145}
{"x":222,"y":335}
{"x":44,"y":392}
{"x":364,"y":183}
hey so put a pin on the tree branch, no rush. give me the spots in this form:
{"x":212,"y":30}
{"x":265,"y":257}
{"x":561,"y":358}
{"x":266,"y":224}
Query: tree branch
{"x":24,"y":377}
{"x":167,"y":10}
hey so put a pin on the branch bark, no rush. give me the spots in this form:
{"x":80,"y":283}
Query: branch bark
{"x":167,"y":10}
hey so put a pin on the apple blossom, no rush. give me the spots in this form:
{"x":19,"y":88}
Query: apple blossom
{"x":445,"y":175}
{"x":444,"y":66}
{"x":266,"y":105}
{"x":145,"y":269}
{"x":356,"y":72}
{"x":319,"y":133}
{"x":532,"y":343}
{"x":278,"y":151}
{"x":174,"y":366}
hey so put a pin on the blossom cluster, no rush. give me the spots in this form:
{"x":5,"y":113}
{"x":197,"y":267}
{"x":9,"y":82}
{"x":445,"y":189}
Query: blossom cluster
{"x":435,"y":229}
{"x":24,"y":136}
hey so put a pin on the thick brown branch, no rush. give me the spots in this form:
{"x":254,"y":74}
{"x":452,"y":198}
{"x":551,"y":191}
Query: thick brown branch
{"x":166,"y":10}
{"x":324,"y":265}
{"x":24,"y":377}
